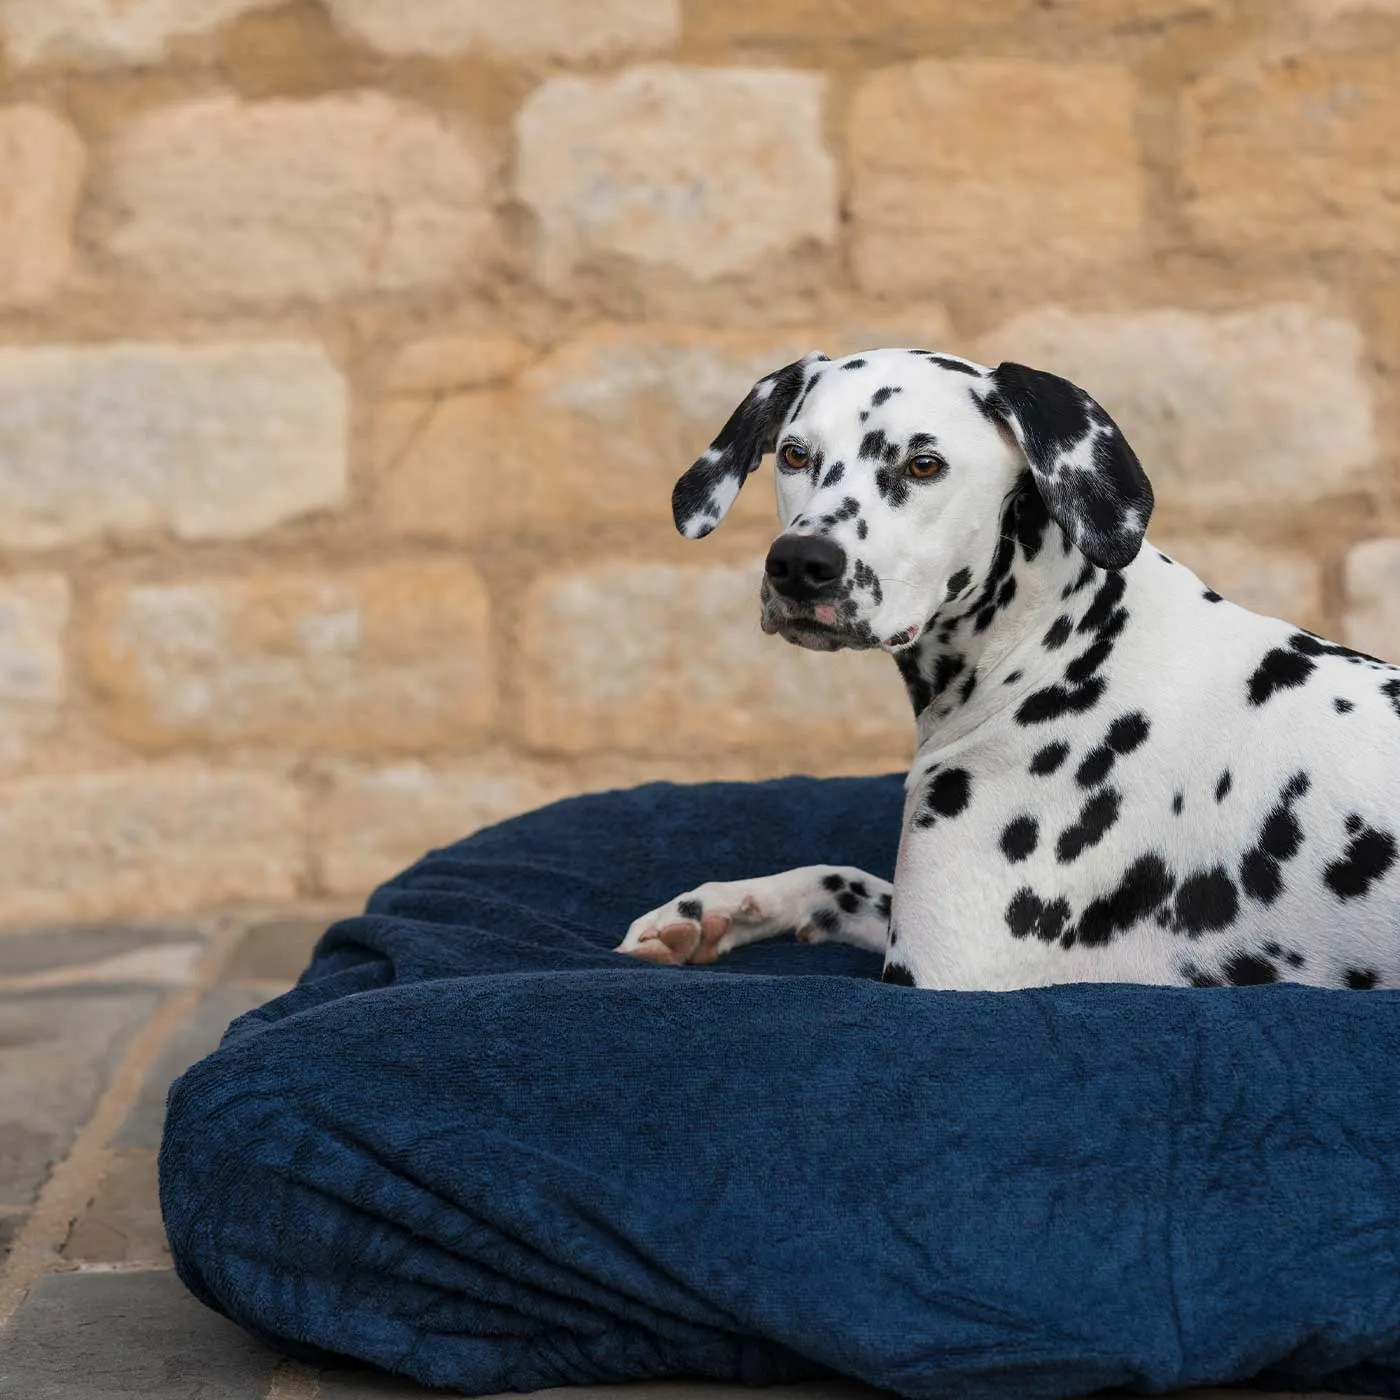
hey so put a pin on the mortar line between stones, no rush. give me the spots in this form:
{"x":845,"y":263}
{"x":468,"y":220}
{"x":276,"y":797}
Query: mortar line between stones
{"x":35,"y":1249}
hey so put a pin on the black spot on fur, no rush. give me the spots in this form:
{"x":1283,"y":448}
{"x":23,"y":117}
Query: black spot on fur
{"x":833,"y":882}
{"x":857,"y":363}
{"x":884,"y":394}
{"x":848,"y":901}
{"x":862,"y":529}
{"x":947,"y":795}
{"x":1055,"y":701}
{"x":1309,"y":644}
{"x":1085,"y":665}
{"x":1058,"y":634}
{"x":1096,"y":767}
{"x":1368,"y":856}
{"x":1222,"y":788}
{"x":1197,"y":978}
{"x":1391,"y":691}
{"x":920,"y":691}
{"x":828,"y":920}
{"x":1211,"y":596}
{"x":946,"y":670}
{"x":1249,"y":970}
{"x":968,"y":686}
{"x":883,"y":904}
{"x":1095,"y":818}
{"x":1280,"y":838}
{"x":1105,"y":601}
{"x":1145,"y":885}
{"x":1020,"y":838}
{"x":859,"y":889}
{"x":690,"y":909}
{"x":874,"y":445}
{"x":834,"y":473}
{"x":1012,"y":678}
{"x":897,"y":975}
{"x":1361,"y":979}
{"x":1028,"y":915}
{"x":1342,"y":707}
{"x":1206,"y":900}
{"x":1031,"y":519}
{"x":955,"y":365}
{"x":1279,"y":670}
{"x":1178,"y":802}
{"x":958,"y":581}
{"x":1127,"y":732}
{"x":1048,"y":759}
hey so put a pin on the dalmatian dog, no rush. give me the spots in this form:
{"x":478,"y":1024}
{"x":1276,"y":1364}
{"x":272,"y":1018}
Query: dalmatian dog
{"x":1120,"y":776}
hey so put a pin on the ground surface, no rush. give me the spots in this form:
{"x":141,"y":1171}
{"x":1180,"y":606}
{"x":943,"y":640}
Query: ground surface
{"x":94,"y":1024}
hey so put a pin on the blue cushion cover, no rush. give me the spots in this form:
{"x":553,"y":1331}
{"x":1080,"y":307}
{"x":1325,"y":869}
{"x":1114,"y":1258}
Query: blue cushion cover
{"x":477,"y":1147}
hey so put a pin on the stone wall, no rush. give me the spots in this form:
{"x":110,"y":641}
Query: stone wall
{"x":348,"y":352}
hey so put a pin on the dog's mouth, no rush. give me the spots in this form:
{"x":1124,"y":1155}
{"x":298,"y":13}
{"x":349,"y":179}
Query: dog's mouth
{"x":818,"y":628}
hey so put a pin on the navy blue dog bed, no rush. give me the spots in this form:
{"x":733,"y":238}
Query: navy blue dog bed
{"x":476,"y":1147}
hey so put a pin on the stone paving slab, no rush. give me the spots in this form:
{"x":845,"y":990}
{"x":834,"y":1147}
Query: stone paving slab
{"x":45,"y":950}
{"x":275,"y":951}
{"x":110,"y":1336}
{"x":122,"y":1223}
{"x":57,"y":1051}
{"x":198,"y":1037}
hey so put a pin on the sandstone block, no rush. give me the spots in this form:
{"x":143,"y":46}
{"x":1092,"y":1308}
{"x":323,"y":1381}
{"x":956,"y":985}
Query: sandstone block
{"x":319,"y":199}
{"x":1223,"y":410}
{"x":147,"y":841}
{"x":109,"y":33}
{"x":561,"y":29}
{"x":1296,"y":157}
{"x":42,"y":165}
{"x":450,"y":363}
{"x":395,"y":657}
{"x":1372,"y":580}
{"x":706,"y":170}
{"x":207,"y":441}
{"x":999,"y":168}
{"x":372,"y":823}
{"x":33,"y":673}
{"x":657,"y":658}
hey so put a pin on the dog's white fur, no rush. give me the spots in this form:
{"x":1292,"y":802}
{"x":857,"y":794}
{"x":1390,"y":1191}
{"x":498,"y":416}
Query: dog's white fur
{"x":1120,"y":776}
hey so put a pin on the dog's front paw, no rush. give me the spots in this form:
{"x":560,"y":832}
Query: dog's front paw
{"x":697,"y":927}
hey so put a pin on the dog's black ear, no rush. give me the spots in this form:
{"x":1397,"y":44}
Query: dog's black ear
{"x":702,"y":497}
{"x":1090,"y":479}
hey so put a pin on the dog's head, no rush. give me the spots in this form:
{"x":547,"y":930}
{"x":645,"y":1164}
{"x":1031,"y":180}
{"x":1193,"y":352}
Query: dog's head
{"x":894,"y":469}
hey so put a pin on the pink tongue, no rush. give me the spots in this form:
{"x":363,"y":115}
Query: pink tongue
{"x":825,"y":615}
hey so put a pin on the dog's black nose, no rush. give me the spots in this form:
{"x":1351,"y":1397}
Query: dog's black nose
{"x":805,"y":567}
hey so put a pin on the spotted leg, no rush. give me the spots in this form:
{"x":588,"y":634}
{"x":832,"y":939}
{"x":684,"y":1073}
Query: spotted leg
{"x":819,"y":903}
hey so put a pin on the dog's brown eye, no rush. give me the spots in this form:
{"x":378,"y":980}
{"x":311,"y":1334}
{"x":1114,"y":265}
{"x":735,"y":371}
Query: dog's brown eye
{"x":795,"y":458}
{"x":925,"y":465}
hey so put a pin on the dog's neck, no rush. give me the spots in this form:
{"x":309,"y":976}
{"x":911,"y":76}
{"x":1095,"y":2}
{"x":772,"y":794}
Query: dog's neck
{"x":1016,"y":633}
